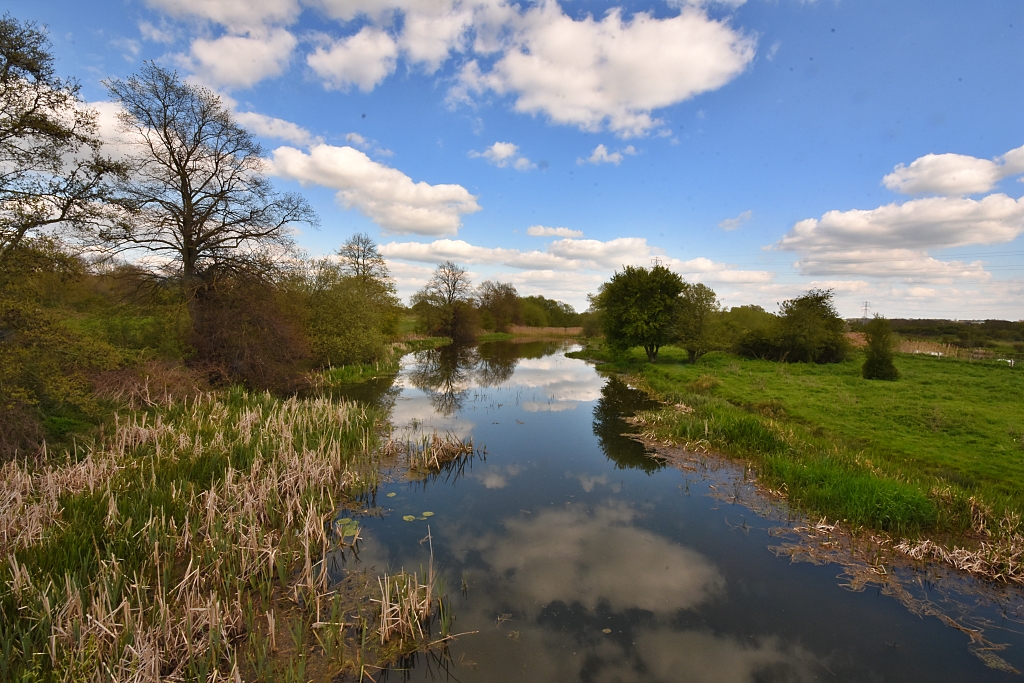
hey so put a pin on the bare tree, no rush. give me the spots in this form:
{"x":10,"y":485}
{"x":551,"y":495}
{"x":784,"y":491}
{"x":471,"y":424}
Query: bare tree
{"x":449,"y":283}
{"x":360,"y":258}
{"x":199,"y":196}
{"x":51,"y":171}
{"x":445,"y":304}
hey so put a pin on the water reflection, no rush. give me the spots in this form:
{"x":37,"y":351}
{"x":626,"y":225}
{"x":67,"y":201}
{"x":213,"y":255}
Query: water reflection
{"x":583,"y":559}
{"x":618,"y":401}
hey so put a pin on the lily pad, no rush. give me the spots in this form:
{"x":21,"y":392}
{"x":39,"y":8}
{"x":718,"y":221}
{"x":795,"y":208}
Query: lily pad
{"x":421,"y":518}
{"x":409,"y":518}
{"x":428,"y":514}
{"x":392,"y":494}
{"x":606,"y":630}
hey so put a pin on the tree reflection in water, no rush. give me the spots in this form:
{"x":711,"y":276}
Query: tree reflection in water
{"x":443,"y":374}
{"x":617,"y":402}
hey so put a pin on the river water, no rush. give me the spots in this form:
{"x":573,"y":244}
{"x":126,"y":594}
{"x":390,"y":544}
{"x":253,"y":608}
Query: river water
{"x":576,"y":556}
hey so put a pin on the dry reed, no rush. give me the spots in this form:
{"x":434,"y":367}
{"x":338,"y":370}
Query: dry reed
{"x":180,"y":612}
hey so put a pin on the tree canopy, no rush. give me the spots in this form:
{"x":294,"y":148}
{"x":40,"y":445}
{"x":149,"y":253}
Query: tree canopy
{"x":696,"y":329}
{"x":638,"y":307}
{"x":52,"y":172}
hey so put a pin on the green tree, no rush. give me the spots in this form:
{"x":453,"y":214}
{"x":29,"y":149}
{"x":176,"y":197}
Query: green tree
{"x":52,"y":174}
{"x":351,"y":310}
{"x":811,"y":330}
{"x":878,"y":364}
{"x":637,"y":307}
{"x":697,"y":317}
{"x":499,"y":305}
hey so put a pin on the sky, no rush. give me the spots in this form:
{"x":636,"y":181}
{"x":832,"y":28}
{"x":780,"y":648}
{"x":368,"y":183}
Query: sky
{"x":762,"y":147}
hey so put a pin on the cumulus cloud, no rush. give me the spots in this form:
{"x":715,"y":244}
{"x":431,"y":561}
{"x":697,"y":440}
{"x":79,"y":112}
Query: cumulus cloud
{"x":614,"y":72}
{"x":364,"y":60}
{"x":600,"y":155}
{"x":954,"y":174}
{"x":385,"y":195}
{"x":543,"y":231}
{"x":933,"y":222}
{"x":236,"y":15}
{"x":893,"y":240}
{"x":272,"y":127}
{"x":733,"y":223}
{"x":240,"y":61}
{"x":504,"y":154}
{"x":563,"y":265}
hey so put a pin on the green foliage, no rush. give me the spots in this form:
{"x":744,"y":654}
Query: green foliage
{"x":698,"y":328}
{"x":499,"y":306}
{"x":807,"y":330}
{"x":43,"y":362}
{"x":638,"y":308}
{"x":348,"y":318}
{"x":879,"y":361}
{"x":539,"y":311}
{"x":445,"y":306}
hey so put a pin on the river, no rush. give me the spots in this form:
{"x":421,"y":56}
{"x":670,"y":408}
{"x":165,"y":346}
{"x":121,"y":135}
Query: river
{"x":575,"y":556}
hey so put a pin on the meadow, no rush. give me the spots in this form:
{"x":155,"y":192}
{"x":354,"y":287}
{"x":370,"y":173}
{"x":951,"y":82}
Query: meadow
{"x":940,"y":451}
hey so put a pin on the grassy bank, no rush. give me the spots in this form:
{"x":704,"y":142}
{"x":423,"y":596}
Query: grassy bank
{"x":939,"y":451}
{"x":188,"y":542}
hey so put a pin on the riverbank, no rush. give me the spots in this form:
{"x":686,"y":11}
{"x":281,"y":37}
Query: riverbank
{"x":936,"y":455}
{"x":190,"y":540}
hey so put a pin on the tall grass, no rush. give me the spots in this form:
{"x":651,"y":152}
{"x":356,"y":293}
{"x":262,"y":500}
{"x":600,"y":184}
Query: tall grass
{"x":155,"y":552}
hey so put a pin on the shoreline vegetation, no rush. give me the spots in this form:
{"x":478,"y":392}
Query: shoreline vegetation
{"x":932,"y":462}
{"x":202,"y":539}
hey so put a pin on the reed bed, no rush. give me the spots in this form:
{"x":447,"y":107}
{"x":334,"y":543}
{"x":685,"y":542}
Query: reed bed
{"x":431,"y":454}
{"x":153,"y":554}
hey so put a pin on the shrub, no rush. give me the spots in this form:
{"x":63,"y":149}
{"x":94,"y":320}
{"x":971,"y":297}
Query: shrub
{"x":878,"y":364}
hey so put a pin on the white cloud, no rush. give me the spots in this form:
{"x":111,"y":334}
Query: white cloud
{"x":954,"y":174}
{"x":237,"y":15}
{"x":600,"y":155}
{"x":503,"y":155}
{"x":272,"y":127}
{"x":614,"y":72}
{"x":357,"y":140}
{"x":542,"y":231}
{"x":934,"y":222}
{"x":385,"y":195}
{"x":156,"y":34}
{"x":240,"y":60}
{"x":893,"y":240}
{"x":543,"y":269}
{"x":364,"y":60}
{"x":733,"y":223}
{"x":429,"y":37}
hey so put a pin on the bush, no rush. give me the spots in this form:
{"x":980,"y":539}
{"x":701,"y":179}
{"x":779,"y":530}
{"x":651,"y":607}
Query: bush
{"x":878,"y":364}
{"x":808,"y":330}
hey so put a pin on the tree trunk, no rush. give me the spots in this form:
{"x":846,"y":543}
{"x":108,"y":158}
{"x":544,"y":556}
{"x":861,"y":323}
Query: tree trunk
{"x":652,"y":353}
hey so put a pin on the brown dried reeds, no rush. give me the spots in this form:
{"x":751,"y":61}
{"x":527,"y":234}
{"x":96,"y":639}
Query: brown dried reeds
{"x":432,"y":453}
{"x":179,"y":611}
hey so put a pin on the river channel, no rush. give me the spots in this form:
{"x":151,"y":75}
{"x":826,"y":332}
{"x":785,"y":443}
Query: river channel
{"x":576,"y":556}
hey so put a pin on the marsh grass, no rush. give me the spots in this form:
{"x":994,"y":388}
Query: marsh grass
{"x":431,"y":454}
{"x":184,"y":537}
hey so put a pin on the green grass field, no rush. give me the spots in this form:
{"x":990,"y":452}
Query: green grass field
{"x":902,"y":456}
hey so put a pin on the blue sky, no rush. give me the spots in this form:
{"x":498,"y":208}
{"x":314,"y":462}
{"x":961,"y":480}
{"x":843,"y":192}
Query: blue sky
{"x":763,"y":148}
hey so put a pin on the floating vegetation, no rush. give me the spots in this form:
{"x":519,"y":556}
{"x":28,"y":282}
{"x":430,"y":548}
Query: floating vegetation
{"x":433,"y":454}
{"x":409,"y":518}
{"x":392,"y":494}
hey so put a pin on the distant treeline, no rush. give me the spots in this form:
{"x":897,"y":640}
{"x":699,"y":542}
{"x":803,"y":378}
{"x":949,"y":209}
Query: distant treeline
{"x":449,"y":305}
{"x":986,"y":333}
